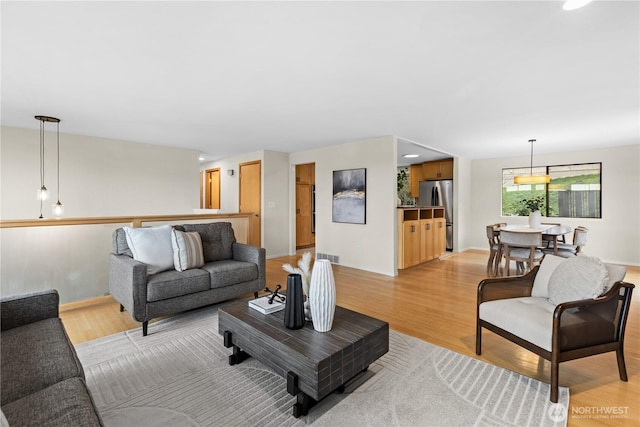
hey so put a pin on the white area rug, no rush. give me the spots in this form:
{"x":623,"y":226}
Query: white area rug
{"x":179,"y":375}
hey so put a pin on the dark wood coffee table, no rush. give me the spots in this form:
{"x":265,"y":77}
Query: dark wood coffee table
{"x":314,"y":363}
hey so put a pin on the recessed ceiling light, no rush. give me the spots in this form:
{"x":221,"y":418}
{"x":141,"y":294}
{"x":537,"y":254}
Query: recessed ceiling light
{"x":201,"y":158}
{"x":410,"y":156}
{"x":575,"y":4}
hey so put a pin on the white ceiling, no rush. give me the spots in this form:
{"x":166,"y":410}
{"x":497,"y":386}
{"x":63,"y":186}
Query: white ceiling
{"x":474,"y":79}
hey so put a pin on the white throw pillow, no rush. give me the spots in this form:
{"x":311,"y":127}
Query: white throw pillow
{"x":187,"y":250}
{"x":616,"y":274}
{"x":577,"y":278}
{"x":151,"y":245}
{"x":541,"y":282}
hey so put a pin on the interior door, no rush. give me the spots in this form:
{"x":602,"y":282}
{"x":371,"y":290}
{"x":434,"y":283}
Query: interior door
{"x":305,"y":178}
{"x":251,"y":198}
{"x":212,"y":189}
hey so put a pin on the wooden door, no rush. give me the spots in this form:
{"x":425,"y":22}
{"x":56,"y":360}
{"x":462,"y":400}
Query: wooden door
{"x":304,"y":194}
{"x":251,"y":198}
{"x":202,"y":189}
{"x":212,"y":189}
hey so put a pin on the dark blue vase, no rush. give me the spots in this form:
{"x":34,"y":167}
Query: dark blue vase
{"x":294,"y":305}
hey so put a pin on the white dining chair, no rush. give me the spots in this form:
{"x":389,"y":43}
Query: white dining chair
{"x":567,"y":250}
{"x":522,"y":247}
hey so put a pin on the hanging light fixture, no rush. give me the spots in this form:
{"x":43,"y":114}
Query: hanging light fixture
{"x":58,"y":208}
{"x":43,"y":193}
{"x":531,"y":178}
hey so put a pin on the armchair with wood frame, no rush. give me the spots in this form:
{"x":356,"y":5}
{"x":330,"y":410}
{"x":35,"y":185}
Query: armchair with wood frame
{"x":537,"y":312}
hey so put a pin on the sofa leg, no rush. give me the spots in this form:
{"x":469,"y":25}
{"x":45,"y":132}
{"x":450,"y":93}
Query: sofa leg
{"x":255,"y":295}
{"x":145,"y":327}
{"x":121,"y":308}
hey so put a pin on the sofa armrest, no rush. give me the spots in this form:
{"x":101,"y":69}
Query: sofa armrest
{"x":23,"y":309}
{"x":128,"y":284}
{"x":254,"y":254}
{"x":506,"y":287}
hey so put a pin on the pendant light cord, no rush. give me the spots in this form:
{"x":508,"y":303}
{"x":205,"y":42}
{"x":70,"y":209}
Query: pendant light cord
{"x":41,"y":163}
{"x":58,"y":144}
{"x":531,"y":169}
{"x":41,"y":153}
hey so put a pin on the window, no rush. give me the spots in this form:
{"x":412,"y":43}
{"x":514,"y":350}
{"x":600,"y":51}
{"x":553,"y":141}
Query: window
{"x":573,"y":192}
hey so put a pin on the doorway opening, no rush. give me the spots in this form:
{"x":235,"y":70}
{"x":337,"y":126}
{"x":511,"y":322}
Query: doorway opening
{"x":212,"y":189}
{"x":305,"y":205}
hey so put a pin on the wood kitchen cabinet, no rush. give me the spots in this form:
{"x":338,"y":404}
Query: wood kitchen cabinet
{"x":421,"y":235}
{"x":415,"y":176}
{"x":439,"y":237}
{"x":438,"y":169}
{"x":429,"y":171}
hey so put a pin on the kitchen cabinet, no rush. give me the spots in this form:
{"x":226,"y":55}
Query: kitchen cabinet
{"x":421,"y":235}
{"x":415,"y":176}
{"x":439,"y":237}
{"x":438,"y":169}
{"x":427,"y":250}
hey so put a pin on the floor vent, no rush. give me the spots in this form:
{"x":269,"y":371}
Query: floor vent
{"x":335,"y":259}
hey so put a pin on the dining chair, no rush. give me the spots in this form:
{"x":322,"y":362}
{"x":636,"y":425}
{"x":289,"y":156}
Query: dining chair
{"x":547,"y":241}
{"x":522,"y":248}
{"x":493,"y":237}
{"x":567,"y":250}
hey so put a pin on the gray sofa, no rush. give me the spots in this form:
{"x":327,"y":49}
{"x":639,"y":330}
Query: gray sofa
{"x":232,"y":269}
{"x":42,"y":380}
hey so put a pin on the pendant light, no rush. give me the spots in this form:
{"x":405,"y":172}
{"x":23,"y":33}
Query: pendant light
{"x":531,"y":178}
{"x":58,"y":208}
{"x":43,"y":193}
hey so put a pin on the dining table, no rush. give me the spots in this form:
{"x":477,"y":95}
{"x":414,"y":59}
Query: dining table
{"x":552,"y":231}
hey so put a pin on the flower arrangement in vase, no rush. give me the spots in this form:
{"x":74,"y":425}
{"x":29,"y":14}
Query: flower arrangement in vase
{"x":304,"y":270}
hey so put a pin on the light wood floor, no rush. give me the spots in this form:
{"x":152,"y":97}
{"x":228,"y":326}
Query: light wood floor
{"x":436,"y":302}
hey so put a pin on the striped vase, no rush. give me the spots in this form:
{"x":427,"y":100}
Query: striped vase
{"x":322,"y":295}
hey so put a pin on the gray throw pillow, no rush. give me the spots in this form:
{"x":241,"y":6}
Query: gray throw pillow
{"x":578,"y":278}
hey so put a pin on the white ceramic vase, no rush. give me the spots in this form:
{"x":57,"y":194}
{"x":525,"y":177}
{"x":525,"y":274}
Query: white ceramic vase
{"x":535,"y":219}
{"x":322,"y":295}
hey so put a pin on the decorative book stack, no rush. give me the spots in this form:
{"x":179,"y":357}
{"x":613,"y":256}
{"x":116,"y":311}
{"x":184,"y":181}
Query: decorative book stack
{"x":262,"y":305}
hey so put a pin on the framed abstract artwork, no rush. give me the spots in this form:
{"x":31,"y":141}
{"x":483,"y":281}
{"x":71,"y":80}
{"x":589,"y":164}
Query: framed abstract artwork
{"x":350,"y":196}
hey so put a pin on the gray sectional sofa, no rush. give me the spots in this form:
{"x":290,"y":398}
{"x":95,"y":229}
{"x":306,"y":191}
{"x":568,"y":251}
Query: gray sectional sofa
{"x":42,"y":380}
{"x":231,"y":270}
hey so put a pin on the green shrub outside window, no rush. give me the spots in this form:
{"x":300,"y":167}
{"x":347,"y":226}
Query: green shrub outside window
{"x":574,"y":191}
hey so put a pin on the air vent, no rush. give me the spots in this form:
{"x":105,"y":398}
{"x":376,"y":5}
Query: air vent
{"x":334,"y":259}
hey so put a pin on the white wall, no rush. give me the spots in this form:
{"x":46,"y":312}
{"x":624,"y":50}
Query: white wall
{"x":462,"y":227}
{"x":370,"y":246}
{"x":614,"y":238}
{"x":275,"y":226}
{"x":98,"y":177}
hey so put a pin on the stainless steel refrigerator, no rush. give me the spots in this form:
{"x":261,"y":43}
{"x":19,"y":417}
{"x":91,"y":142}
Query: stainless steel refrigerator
{"x":439,"y":193}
